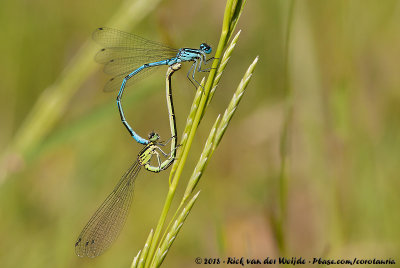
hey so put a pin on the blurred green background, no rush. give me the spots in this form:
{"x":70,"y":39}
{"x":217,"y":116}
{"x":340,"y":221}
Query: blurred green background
{"x":340,"y":194}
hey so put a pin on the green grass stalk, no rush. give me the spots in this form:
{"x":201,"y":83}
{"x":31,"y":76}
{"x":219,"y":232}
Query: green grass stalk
{"x":232,"y":13}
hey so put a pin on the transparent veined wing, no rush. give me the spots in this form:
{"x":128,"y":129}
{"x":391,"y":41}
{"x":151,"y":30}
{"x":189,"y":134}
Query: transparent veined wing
{"x":107,"y":222}
{"x":133,"y":55}
{"x":109,"y":37}
{"x":124,"y":52}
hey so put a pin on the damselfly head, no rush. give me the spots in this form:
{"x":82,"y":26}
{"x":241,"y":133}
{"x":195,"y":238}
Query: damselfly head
{"x":153,"y":136}
{"x":206,"y":48}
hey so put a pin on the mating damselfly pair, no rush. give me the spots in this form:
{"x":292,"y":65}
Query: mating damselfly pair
{"x":127,"y":56}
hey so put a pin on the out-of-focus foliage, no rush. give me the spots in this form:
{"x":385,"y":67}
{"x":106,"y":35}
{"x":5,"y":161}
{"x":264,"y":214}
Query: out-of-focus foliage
{"x":343,"y":142}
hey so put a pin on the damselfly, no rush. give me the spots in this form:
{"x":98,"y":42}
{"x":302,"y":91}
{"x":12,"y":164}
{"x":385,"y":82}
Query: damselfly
{"x":107,"y":222}
{"x":127,"y":56}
